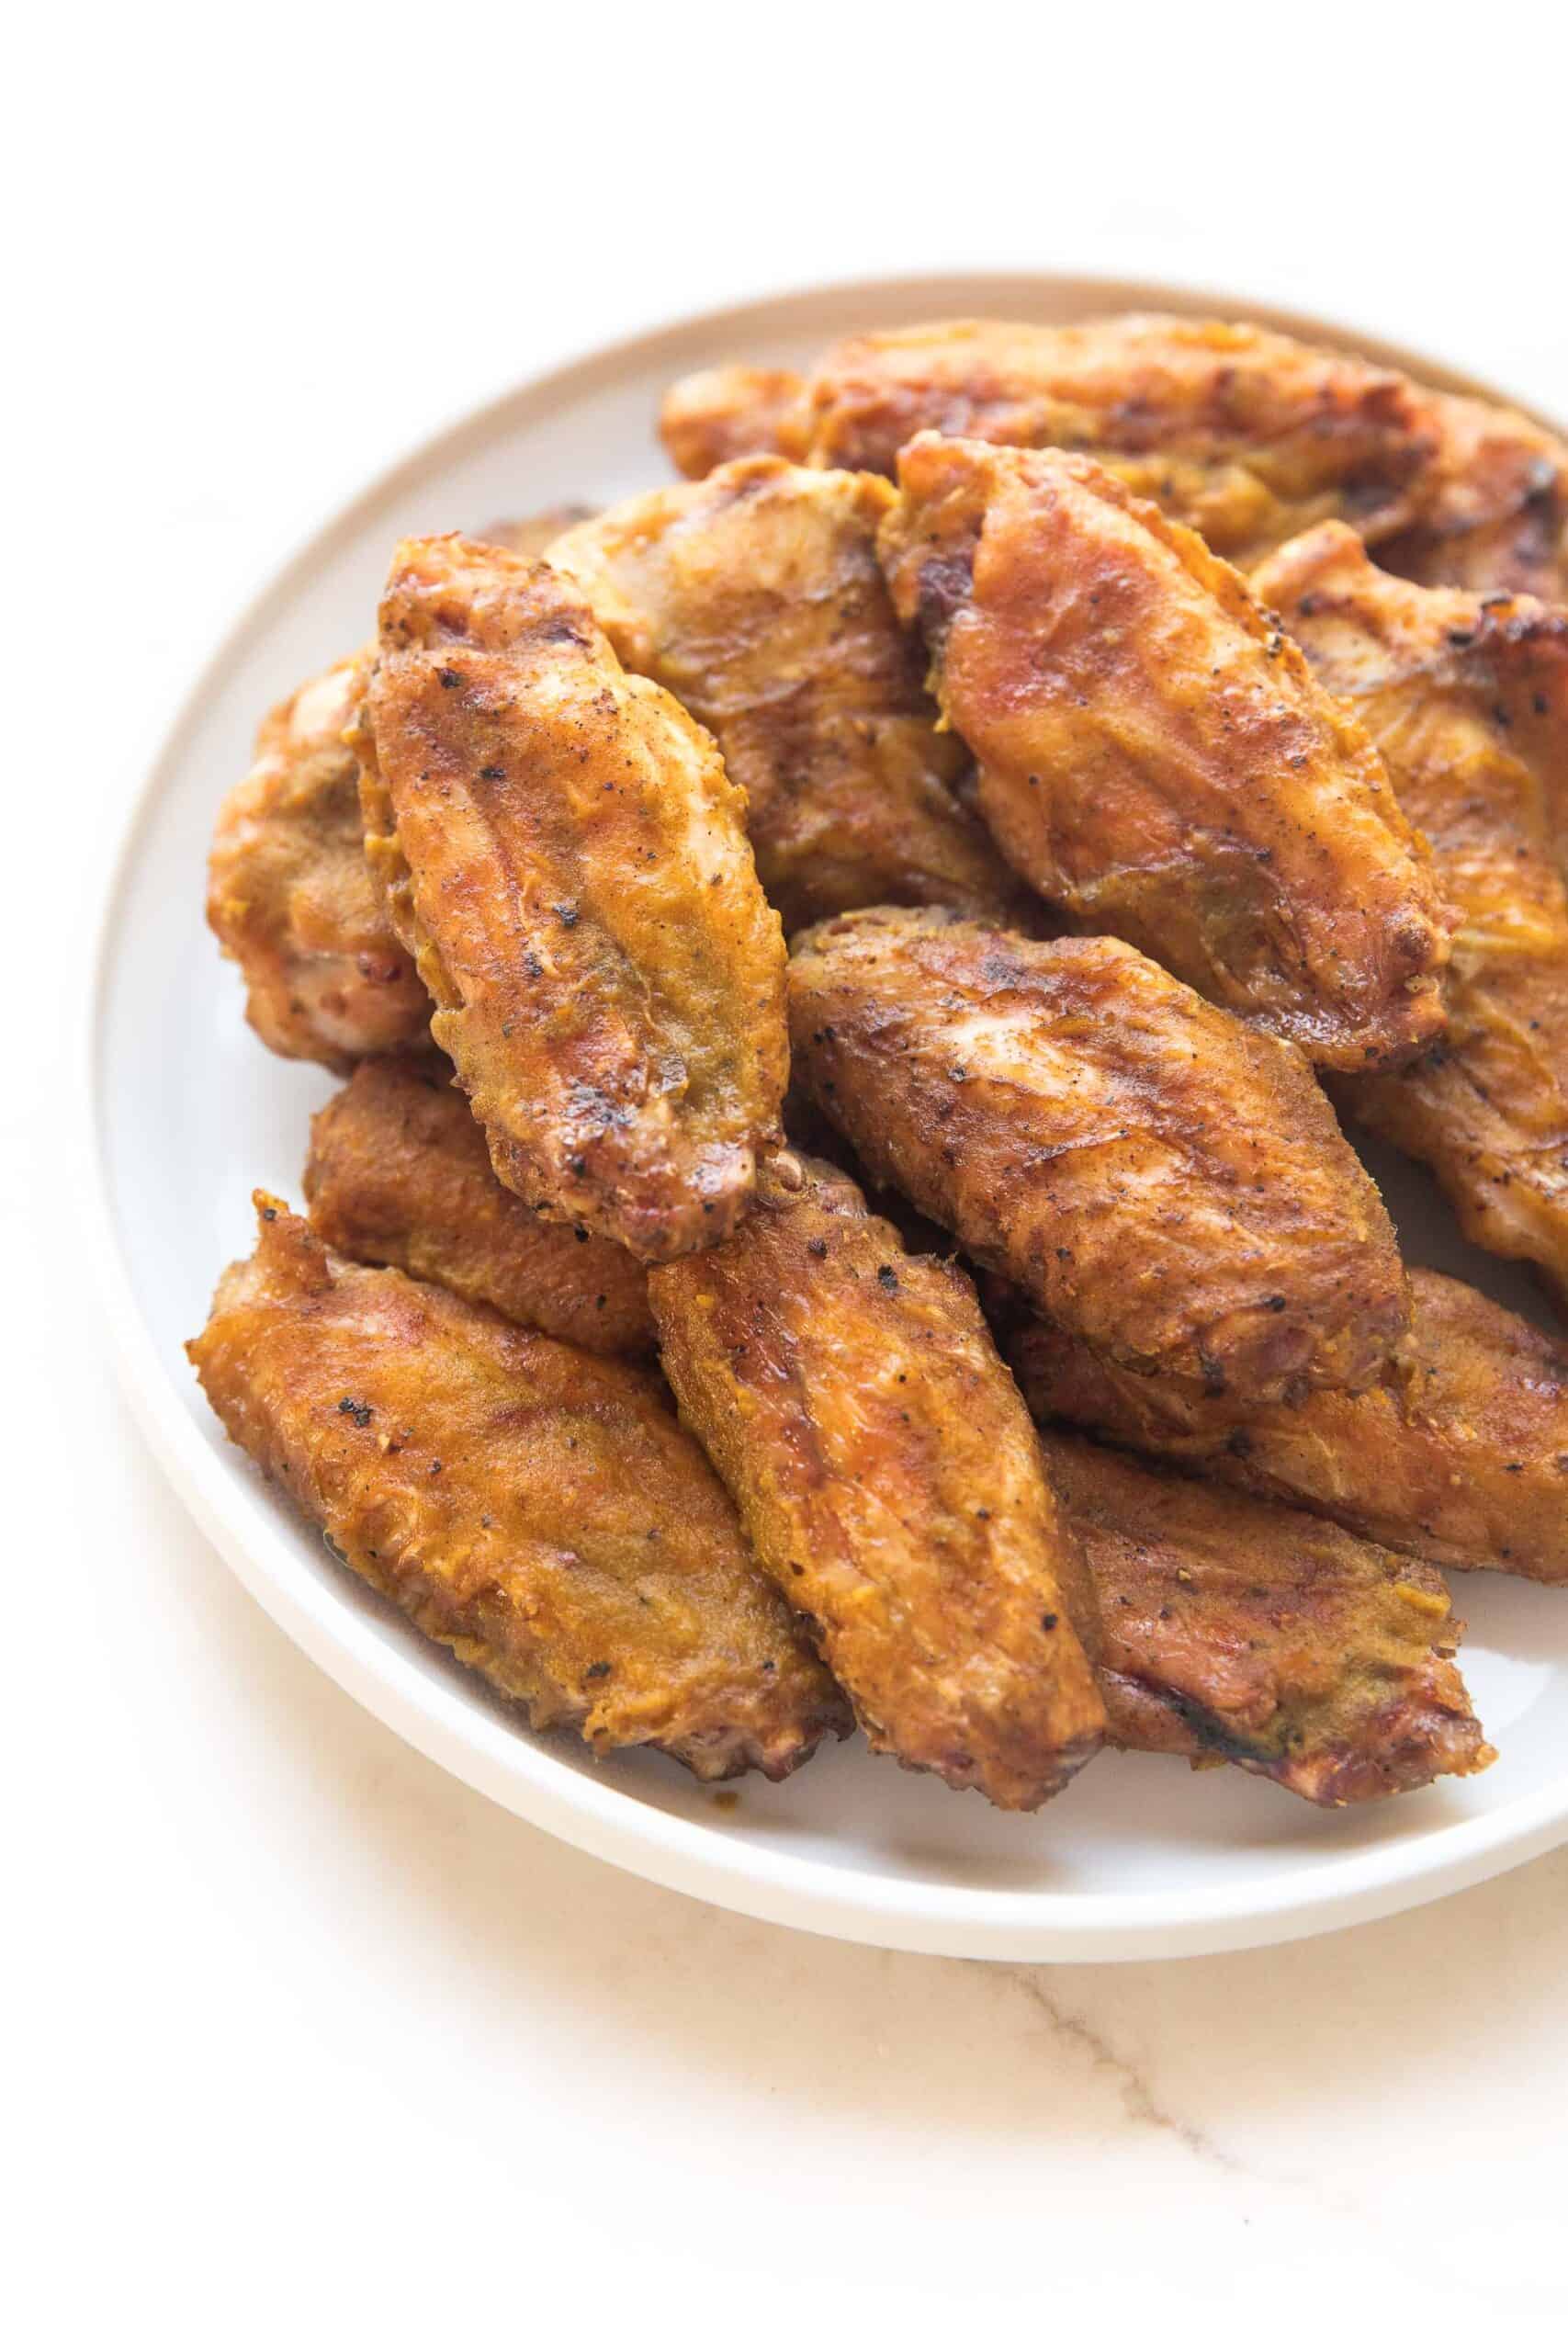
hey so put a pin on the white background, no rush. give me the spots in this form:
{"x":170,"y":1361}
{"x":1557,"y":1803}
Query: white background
{"x":310,"y":2045}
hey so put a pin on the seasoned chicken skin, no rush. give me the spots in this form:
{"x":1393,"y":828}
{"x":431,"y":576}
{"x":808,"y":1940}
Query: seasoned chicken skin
{"x":1491,"y":506}
{"x":1246,"y":435}
{"x":756,"y":598}
{"x":1459,"y":1454}
{"x":725,"y":413}
{"x":291,"y":899}
{"x":1157,"y":758}
{"x":1467,"y":698}
{"x":1233,"y":1630}
{"x":886,"y":1474}
{"x":566,"y":856}
{"x":534,"y":1507}
{"x":1164,"y":1181}
{"x":399,"y":1175}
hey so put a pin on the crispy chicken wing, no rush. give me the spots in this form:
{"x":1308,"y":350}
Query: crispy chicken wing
{"x":1233,"y":1630}
{"x":1491,"y":506}
{"x":1467,"y":699}
{"x":290,"y":898}
{"x":565,"y":854}
{"x":399,"y":1175}
{"x":756,"y":598}
{"x":1157,"y":758}
{"x":725,"y":413}
{"x":1459,"y":1454}
{"x":1165,"y":1181}
{"x":886,"y":1474}
{"x":534,"y":1508}
{"x":1246,"y":435}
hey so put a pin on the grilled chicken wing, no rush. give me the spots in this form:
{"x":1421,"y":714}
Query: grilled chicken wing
{"x":1233,"y":1630}
{"x":291,"y":899}
{"x":1157,"y":758}
{"x":399,"y":1175}
{"x":563,"y":851}
{"x":534,"y":1508}
{"x":1246,"y":435}
{"x":1459,"y":1454}
{"x":1491,"y":506}
{"x":886,"y":1474}
{"x":755,"y":597}
{"x":1165,"y":1181}
{"x":1467,"y":699}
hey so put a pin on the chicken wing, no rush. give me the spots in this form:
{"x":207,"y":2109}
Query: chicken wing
{"x":1246,"y":435}
{"x":399,"y":1175}
{"x":1233,"y":1630}
{"x":886,"y":1474}
{"x":1164,"y":1181}
{"x":534,"y":1507}
{"x":755,"y":597}
{"x":563,"y":852}
{"x":1157,"y":758}
{"x":1492,"y":504}
{"x":725,"y":413}
{"x":292,"y":900}
{"x":1467,"y":699}
{"x":1459,"y":1454}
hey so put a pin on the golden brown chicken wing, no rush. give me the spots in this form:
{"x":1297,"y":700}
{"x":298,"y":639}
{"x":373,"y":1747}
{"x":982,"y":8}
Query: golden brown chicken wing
{"x":399,"y":1175}
{"x":1164,"y":1181}
{"x":886,"y":1474}
{"x":756,"y":598}
{"x":1467,"y":699}
{"x":565,"y":854}
{"x":290,"y":898}
{"x":1234,"y":1629}
{"x":1158,"y":758}
{"x":1491,"y":506}
{"x":534,"y":1508}
{"x":725,"y":413}
{"x":1459,"y":1454}
{"x":1246,"y":435}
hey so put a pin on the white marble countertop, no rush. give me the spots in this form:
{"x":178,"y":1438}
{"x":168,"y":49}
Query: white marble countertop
{"x":312,"y":2044}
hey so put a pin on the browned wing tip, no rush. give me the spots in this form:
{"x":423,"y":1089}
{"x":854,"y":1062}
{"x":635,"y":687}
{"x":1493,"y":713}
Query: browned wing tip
{"x":722,"y":412}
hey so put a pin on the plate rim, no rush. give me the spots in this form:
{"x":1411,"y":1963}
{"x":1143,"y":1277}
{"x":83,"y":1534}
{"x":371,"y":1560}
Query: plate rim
{"x":498,"y":1758}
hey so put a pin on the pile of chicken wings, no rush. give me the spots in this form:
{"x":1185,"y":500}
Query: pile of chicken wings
{"x":968,"y":1321}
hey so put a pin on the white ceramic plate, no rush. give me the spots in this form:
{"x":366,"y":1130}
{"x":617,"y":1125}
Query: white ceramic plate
{"x":1141,"y":1858}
